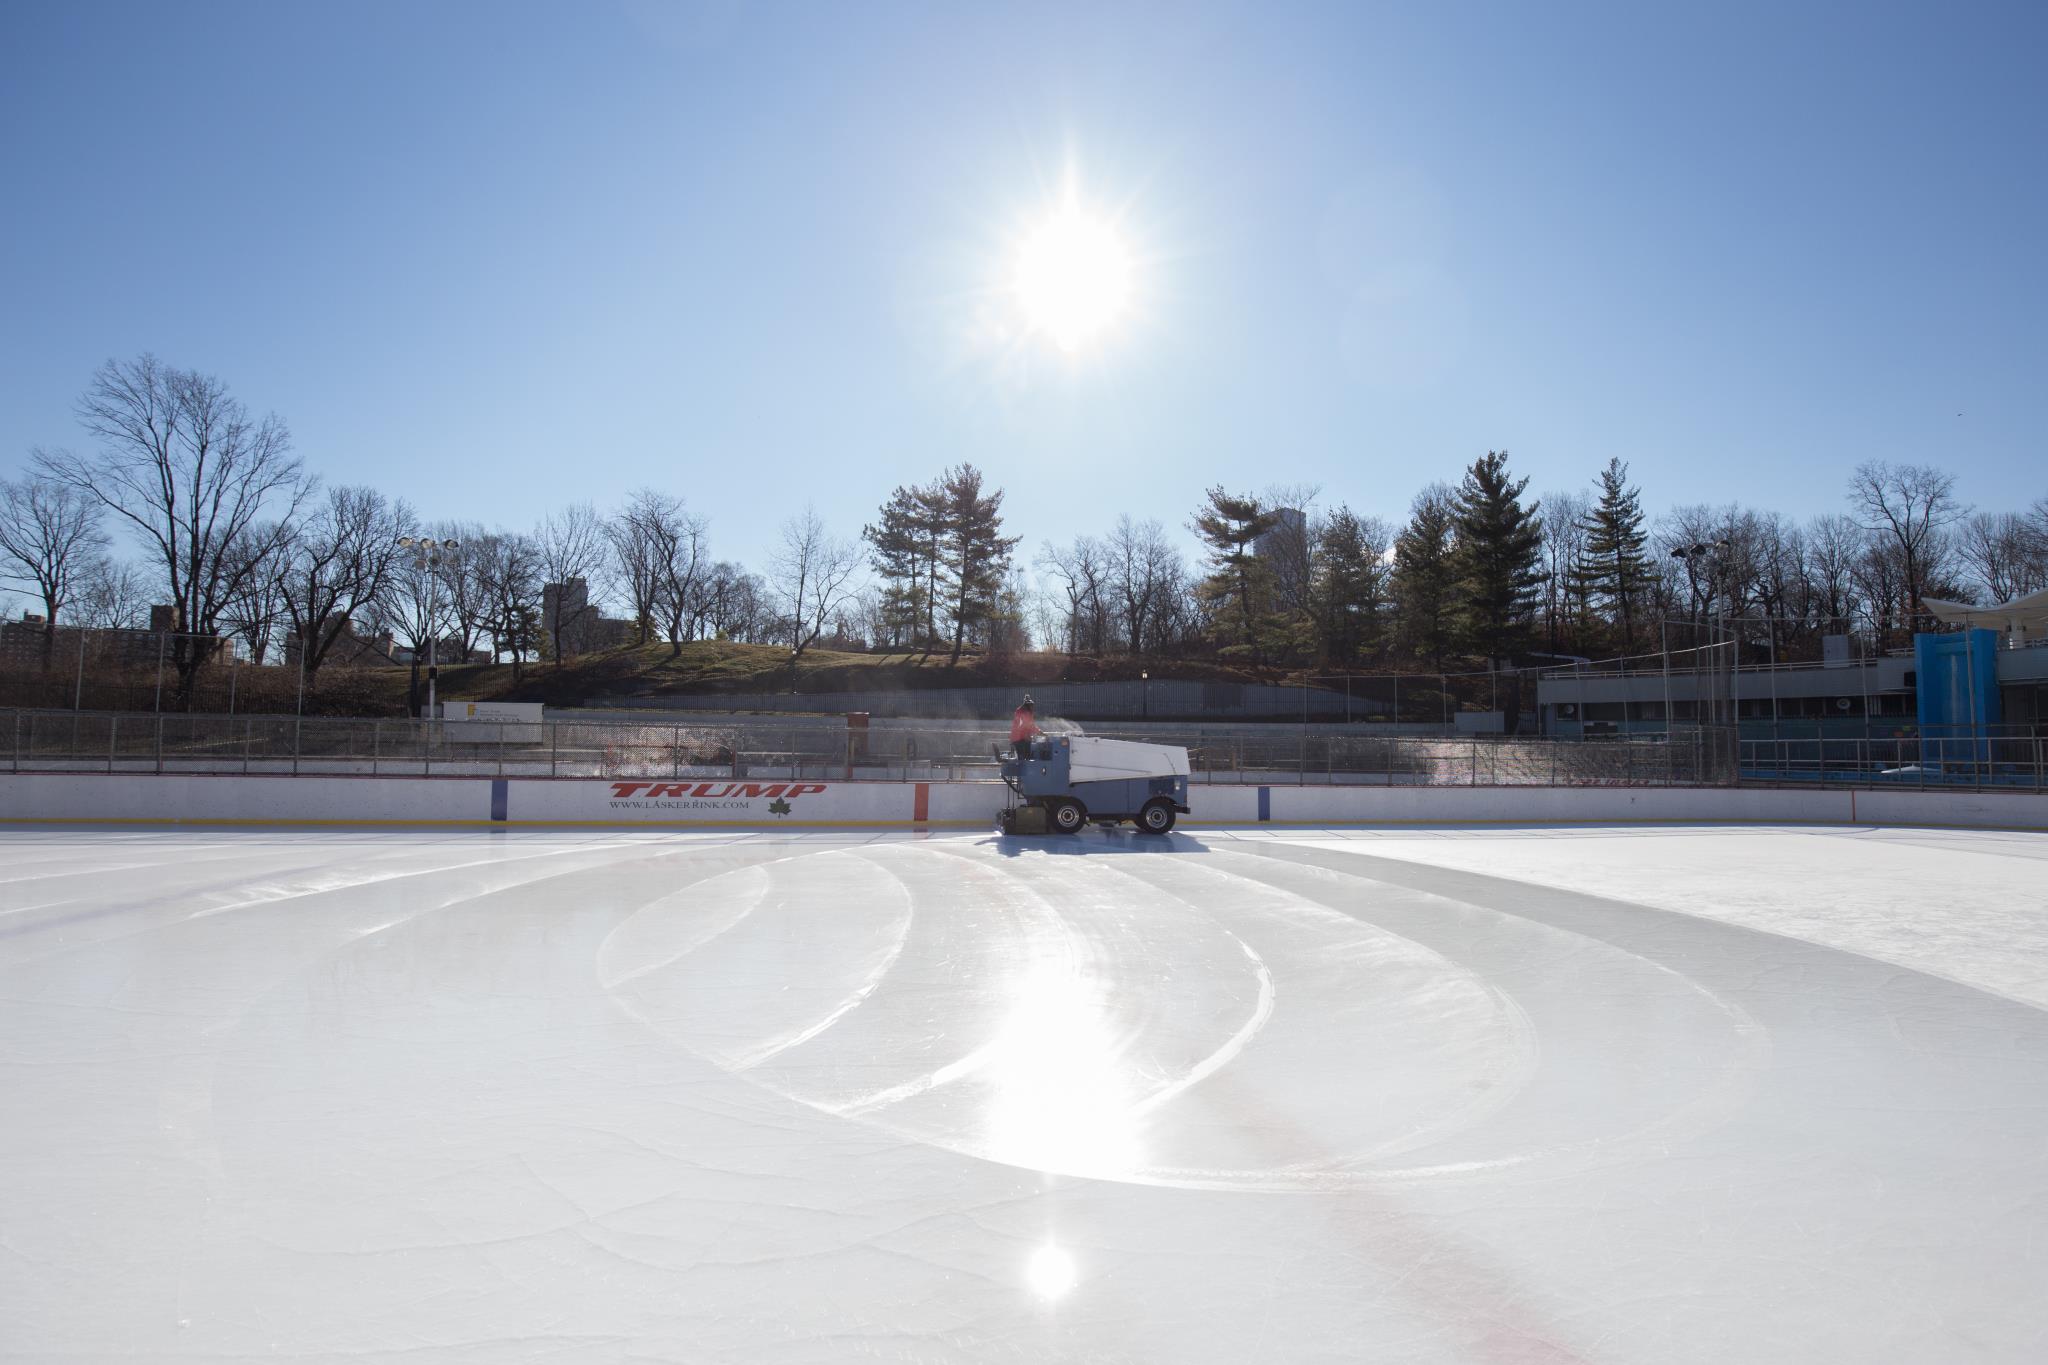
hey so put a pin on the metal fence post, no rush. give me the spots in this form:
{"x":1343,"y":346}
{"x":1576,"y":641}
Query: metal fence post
{"x":113,"y":728}
{"x":376,"y":744}
{"x":554,"y":744}
{"x":1475,"y":762}
{"x":675,"y":751}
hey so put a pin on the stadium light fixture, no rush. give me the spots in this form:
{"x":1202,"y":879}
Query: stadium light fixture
{"x":427,"y":557}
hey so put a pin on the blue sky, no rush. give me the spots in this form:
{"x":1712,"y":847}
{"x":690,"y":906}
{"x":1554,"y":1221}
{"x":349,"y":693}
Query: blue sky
{"x":490,"y":257}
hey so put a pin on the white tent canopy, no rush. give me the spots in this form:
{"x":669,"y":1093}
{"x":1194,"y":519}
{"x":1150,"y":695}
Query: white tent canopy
{"x":2022,"y":618}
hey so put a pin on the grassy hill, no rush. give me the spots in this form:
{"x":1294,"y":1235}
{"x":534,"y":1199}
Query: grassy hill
{"x":648,"y":672}
{"x":723,"y":667}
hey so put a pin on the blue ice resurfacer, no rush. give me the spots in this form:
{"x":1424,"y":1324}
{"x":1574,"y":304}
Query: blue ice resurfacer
{"x":1072,"y":779}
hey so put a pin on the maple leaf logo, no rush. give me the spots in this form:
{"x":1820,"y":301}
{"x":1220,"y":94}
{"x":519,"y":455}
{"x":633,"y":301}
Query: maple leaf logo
{"x":778,"y":807}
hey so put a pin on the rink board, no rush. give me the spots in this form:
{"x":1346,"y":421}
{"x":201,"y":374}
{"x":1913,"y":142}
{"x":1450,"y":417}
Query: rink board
{"x":193,"y":798}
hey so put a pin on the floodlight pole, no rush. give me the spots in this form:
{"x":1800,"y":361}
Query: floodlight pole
{"x":1716,"y":557}
{"x":1664,"y":644}
{"x":426,"y":558}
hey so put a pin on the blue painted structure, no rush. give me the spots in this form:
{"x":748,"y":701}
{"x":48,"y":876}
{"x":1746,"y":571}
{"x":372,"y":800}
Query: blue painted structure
{"x":1957,"y":685}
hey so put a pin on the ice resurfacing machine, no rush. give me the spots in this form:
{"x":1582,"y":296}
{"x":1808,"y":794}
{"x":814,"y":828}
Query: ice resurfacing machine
{"x":1072,"y":779}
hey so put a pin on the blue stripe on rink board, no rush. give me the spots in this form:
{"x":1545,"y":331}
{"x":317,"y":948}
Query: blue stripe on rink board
{"x":498,"y":789}
{"x":1265,"y":803}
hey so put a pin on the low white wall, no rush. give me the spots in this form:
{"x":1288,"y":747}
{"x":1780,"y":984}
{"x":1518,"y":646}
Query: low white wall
{"x":1980,"y":810}
{"x":175,"y":798}
{"x":1543,"y":805}
{"x":717,"y":800}
{"x":194,"y":798}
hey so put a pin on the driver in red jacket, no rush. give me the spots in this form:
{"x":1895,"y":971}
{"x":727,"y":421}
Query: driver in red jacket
{"x":1023,"y":727}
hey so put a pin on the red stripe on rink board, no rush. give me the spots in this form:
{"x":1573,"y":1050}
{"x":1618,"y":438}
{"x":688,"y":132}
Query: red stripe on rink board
{"x":923,"y":809}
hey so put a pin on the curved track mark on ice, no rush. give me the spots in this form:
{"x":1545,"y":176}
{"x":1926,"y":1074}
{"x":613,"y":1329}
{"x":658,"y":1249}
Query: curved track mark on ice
{"x":747,"y":1061}
{"x":1232,"y":1046}
{"x":979,"y":1057}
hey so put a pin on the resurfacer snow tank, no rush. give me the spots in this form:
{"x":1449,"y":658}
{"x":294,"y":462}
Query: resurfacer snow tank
{"x":1072,"y":779}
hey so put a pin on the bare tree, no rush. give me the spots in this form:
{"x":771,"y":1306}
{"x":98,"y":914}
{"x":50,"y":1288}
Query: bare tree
{"x":632,"y":540}
{"x":417,"y":603}
{"x":257,"y":605}
{"x":1881,"y":583}
{"x":1142,"y":566}
{"x":1709,"y":583}
{"x":50,"y":538}
{"x":1289,"y":548}
{"x":2004,"y":554}
{"x":1911,"y":504}
{"x":571,"y":545}
{"x":336,"y":563}
{"x":1081,"y":570}
{"x":1567,"y":591}
{"x":1834,"y":545}
{"x":469,"y":597}
{"x":112,"y":595}
{"x":192,"y":473}
{"x":732,"y":603}
{"x":678,"y":543}
{"x":810,"y":574}
{"x":508,"y":579}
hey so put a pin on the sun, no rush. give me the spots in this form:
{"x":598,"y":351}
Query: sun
{"x":1073,"y":277}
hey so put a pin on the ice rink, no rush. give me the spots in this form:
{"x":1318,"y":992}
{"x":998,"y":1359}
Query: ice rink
{"x":1522,"y":1095}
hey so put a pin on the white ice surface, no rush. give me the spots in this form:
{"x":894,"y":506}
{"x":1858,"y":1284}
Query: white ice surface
{"x":1971,"y":905}
{"x":1681,"y":1095}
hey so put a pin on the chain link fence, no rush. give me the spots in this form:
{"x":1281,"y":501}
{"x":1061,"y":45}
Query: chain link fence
{"x":161,"y":670}
{"x":70,"y":741}
{"x":1995,"y":756}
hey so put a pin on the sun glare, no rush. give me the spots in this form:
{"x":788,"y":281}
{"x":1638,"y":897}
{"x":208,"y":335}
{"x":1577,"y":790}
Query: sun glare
{"x":1073,"y":278}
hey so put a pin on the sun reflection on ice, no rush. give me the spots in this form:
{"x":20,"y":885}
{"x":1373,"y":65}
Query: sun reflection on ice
{"x":1061,"y":1102}
{"x":1050,"y":1272}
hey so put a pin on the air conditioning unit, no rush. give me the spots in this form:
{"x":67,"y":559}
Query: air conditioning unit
{"x":1844,"y":703}
{"x":1567,"y":710}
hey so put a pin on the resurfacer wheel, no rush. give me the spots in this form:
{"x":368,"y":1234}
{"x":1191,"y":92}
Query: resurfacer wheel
{"x":1157,"y":818}
{"x":1068,"y":817}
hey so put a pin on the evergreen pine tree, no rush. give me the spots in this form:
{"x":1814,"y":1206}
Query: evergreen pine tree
{"x":973,"y":551}
{"x":1238,"y":589}
{"x":1350,"y":585}
{"x":1615,"y":573}
{"x":1500,"y":546}
{"x":904,"y":549}
{"x":1425,"y":583}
